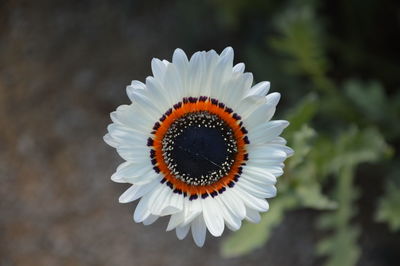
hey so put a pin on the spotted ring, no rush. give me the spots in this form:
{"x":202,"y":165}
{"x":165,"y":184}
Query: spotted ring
{"x":171,"y":126}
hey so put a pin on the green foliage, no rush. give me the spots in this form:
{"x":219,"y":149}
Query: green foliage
{"x":301,"y":40}
{"x":352,"y":148}
{"x":306,"y":186}
{"x":341,"y":247}
{"x":303,"y":113}
{"x":368,"y":98}
{"x":389,"y":205}
{"x":337,"y":125}
{"x":371,"y":105}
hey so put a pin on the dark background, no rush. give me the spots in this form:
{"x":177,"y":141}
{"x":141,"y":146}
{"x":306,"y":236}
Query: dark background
{"x":64,"y":66}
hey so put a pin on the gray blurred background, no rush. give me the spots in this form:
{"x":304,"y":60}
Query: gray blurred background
{"x":64,"y":66}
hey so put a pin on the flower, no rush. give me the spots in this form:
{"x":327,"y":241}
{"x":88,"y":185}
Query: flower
{"x":198,"y":144}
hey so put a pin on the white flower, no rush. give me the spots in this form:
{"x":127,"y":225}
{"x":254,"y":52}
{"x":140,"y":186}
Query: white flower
{"x":199,"y":144}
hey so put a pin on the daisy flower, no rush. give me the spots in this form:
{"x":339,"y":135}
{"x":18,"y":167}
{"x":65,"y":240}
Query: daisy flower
{"x":199,"y":144}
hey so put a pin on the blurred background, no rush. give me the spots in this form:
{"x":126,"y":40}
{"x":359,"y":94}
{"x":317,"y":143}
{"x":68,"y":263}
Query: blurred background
{"x":64,"y":66}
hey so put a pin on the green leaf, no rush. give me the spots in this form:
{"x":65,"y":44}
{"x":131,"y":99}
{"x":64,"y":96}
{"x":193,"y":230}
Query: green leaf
{"x":341,"y":246}
{"x":389,"y":205}
{"x":322,"y":154}
{"x":301,"y":39}
{"x":351,"y":148}
{"x":358,"y":146}
{"x":369,"y":98}
{"x":302,"y":114}
{"x":372,"y":105}
{"x":311,"y":197}
{"x":301,"y":142}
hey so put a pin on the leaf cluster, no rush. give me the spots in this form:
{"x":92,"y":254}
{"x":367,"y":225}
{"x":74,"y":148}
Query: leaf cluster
{"x":337,"y":126}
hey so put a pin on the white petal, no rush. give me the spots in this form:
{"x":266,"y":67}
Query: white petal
{"x":270,"y":166}
{"x":266,"y":191}
{"x":131,"y":117}
{"x":159,"y":201}
{"x":119,"y":178}
{"x":222,"y":74}
{"x":234,"y":203}
{"x":182,"y":231}
{"x":223,"y":69}
{"x":174,"y":205}
{"x":136,"y":191}
{"x":110,"y":141}
{"x":248,"y":105}
{"x":134,"y":173}
{"x":145,"y":178}
{"x":158,"y":68}
{"x":159,"y":98}
{"x":251,"y":201}
{"x":147,"y":104}
{"x":125,"y":135}
{"x":273,"y":98}
{"x":257,"y":174}
{"x":207,"y":86}
{"x":262,"y":177}
{"x":252,"y":216}
{"x":142,"y":209}
{"x":159,"y":94}
{"x":233,"y":92}
{"x":135,"y":85}
{"x":232,"y":221}
{"x":267,"y":152}
{"x":175,"y":220}
{"x":260,"y":89}
{"x":199,"y":231}
{"x":289,"y":151}
{"x":192,"y":210}
{"x":279,"y":140}
{"x":134,"y":153}
{"x":276,"y":170}
{"x":180,"y":60}
{"x":169,"y":210}
{"x":151,"y":219}
{"x":212,"y":216}
{"x":158,"y":204}
{"x":239,"y":68}
{"x":264,"y":112}
{"x":227,"y":55}
{"x":138,"y":85}
{"x":196,"y":75}
{"x":173,"y":84}
{"x":267,"y":131}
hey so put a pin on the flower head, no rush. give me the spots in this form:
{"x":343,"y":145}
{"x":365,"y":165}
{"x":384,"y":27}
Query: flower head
{"x":199,"y":144}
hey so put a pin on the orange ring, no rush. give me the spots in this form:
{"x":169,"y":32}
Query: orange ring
{"x":189,"y":105}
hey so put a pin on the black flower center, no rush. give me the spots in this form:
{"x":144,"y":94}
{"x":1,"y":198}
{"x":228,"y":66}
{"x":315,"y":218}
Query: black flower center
{"x":199,"y":148}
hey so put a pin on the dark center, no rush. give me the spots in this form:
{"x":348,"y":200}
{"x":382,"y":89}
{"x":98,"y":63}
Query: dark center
{"x":199,"y":148}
